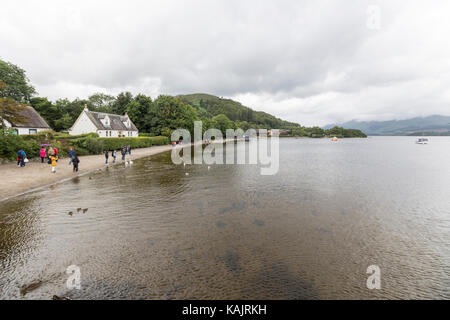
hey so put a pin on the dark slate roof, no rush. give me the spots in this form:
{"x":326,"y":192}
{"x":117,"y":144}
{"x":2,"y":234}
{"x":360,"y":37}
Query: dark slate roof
{"x":115,"y":121}
{"x":32,"y":119}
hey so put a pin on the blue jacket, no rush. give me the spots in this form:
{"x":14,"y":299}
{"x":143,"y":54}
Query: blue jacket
{"x":71,"y":153}
{"x":21,"y":154}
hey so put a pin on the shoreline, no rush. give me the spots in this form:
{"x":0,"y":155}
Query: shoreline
{"x":18,"y":181}
{"x":37,"y":175}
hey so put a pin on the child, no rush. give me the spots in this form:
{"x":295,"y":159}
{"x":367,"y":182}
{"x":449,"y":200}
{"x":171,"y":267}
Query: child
{"x":43,"y":155}
{"x":53,"y":160}
{"x":113,"y":154}
{"x":75,"y":162}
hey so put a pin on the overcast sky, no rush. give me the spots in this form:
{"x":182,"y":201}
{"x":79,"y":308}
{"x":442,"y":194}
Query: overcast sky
{"x":312,"y":62}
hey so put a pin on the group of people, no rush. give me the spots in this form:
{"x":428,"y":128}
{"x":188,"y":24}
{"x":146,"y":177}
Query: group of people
{"x":124,"y":151}
{"x":51,"y":154}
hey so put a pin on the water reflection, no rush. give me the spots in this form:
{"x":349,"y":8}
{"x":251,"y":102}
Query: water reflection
{"x":151,"y":232}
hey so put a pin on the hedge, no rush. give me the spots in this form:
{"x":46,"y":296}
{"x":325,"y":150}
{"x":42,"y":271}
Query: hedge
{"x":97,"y":145}
{"x":82,"y":144}
{"x":141,"y":142}
{"x":143,"y":134}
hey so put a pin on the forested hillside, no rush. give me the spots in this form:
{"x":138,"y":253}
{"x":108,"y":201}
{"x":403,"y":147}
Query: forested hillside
{"x":209,"y":106}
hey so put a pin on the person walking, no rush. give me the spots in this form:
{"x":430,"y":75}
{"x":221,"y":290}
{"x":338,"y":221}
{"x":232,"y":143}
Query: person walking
{"x":123,"y":152}
{"x":106,"y":156}
{"x":129,"y":150}
{"x":71,"y":155}
{"x":53,"y":160}
{"x":75,"y":162}
{"x":43,"y":154}
{"x":56,"y":153}
{"x":114,"y":155}
{"x":21,"y":155}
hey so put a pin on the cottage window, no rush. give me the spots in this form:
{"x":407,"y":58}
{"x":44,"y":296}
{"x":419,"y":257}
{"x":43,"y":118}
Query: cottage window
{"x":32,"y":131}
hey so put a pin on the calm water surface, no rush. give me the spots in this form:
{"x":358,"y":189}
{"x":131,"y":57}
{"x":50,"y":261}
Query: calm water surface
{"x":309,"y":232}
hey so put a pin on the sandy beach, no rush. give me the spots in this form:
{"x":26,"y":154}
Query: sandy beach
{"x":15,"y":180}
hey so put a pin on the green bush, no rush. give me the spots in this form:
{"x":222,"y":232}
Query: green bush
{"x":94,"y":145}
{"x":143,"y":134}
{"x":11,"y":143}
{"x":82,"y":144}
{"x":117,"y":143}
{"x":159,"y":141}
{"x":66,"y":136}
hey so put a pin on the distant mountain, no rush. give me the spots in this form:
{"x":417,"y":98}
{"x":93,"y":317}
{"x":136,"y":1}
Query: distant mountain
{"x":209,"y":106}
{"x":431,"y":125}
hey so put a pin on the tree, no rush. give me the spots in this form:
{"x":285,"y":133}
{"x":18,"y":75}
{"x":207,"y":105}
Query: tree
{"x":17,"y":84}
{"x":170,"y":112}
{"x":120,"y":104}
{"x":222,"y":123}
{"x":138,"y":111}
{"x":101,"y":102}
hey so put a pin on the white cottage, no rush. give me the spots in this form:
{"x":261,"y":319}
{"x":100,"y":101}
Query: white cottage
{"x":32,"y":122}
{"x":105,"y":124}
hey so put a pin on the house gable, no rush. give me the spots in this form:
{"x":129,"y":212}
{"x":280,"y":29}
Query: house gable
{"x":83,"y":125}
{"x":105,"y":124}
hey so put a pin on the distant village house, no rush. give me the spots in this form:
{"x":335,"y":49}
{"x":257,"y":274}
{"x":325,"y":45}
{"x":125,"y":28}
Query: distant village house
{"x":32,"y":122}
{"x":105,"y":124}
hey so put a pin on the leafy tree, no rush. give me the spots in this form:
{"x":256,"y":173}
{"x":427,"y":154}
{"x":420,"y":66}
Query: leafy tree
{"x":222,"y":123}
{"x":47,"y":110}
{"x":170,"y":112}
{"x":72,"y":108}
{"x":120,"y":104}
{"x":101,"y":102}
{"x":17,"y":84}
{"x":138,"y":110}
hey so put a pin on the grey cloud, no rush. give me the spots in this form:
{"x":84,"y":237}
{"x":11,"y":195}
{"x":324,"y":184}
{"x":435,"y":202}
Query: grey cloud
{"x":308,"y":61}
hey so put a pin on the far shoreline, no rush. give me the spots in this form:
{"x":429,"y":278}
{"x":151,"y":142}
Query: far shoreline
{"x":37,"y":175}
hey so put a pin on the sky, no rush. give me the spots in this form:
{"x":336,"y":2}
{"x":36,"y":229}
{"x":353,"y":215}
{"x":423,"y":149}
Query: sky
{"x":313,"y":62}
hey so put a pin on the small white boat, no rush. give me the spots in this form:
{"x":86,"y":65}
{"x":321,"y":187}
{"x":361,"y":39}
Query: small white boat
{"x":422,"y":141}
